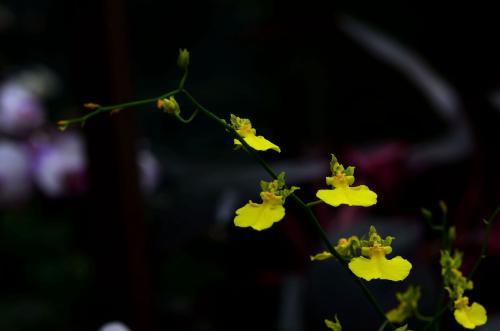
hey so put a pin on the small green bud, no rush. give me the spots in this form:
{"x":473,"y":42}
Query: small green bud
{"x":388,"y":241}
{"x":277,"y":186}
{"x":426,"y":213}
{"x":452,"y":233}
{"x":62,"y":125}
{"x":335,"y":326}
{"x":349,"y":171}
{"x":170,"y":105}
{"x":443,"y":207}
{"x":183,"y":59}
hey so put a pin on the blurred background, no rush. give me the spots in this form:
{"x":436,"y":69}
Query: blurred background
{"x":130,"y":218}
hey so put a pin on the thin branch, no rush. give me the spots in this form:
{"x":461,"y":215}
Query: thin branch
{"x":382,"y":327}
{"x":436,"y":318}
{"x":484,"y":247}
{"x":190,"y":119}
{"x":314,"y":203}
{"x":422,"y":317}
{"x":83,"y":119}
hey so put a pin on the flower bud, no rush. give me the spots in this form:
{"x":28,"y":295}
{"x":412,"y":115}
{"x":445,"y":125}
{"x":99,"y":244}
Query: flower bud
{"x":183,"y":59}
{"x":170,"y":105}
{"x":62,"y":125}
{"x":91,"y":105}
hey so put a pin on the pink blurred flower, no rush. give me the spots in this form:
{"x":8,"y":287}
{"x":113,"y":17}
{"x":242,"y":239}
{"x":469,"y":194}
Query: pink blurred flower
{"x":60,"y":164}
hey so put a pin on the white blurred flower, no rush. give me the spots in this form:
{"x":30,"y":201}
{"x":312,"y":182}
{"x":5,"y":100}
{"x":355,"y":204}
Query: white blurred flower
{"x":20,"y":109}
{"x":114,"y":326}
{"x":149,"y":170}
{"x":42,"y":81}
{"x":15,"y":179}
{"x":60,"y":164}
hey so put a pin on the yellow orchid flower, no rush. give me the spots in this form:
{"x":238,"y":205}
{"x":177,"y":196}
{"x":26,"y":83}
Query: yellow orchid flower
{"x":469,"y":316}
{"x":377,"y":266}
{"x":343,"y":192}
{"x":244,"y":128}
{"x":261,"y":216}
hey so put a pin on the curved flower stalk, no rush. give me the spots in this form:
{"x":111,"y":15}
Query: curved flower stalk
{"x":244,"y":128}
{"x":373,"y":263}
{"x":468,"y":316}
{"x":261,"y":216}
{"x":342,"y":192}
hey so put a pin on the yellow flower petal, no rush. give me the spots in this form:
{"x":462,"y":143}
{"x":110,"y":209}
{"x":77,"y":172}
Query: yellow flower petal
{"x":379,"y":267}
{"x":321,"y":256}
{"x":471,"y":316}
{"x":258,"y":143}
{"x":259,"y":216}
{"x":352,"y":196}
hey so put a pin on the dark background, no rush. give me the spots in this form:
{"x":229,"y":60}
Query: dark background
{"x":171,"y":259}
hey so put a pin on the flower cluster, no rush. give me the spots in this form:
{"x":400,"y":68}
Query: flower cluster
{"x":469,"y":316}
{"x":366,"y":256}
{"x":261,"y":216}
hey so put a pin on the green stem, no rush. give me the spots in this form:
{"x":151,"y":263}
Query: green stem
{"x":119,"y":106}
{"x":436,"y":318}
{"x":314,"y":203}
{"x":183,"y":79}
{"x":382,"y":327}
{"x":484,"y":247}
{"x":446,"y":245}
{"x":190,"y":119}
{"x":310,"y":215}
{"x":421,"y":317}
